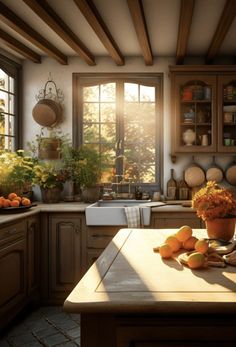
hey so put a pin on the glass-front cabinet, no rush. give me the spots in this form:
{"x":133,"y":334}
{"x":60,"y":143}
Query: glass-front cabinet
{"x":195,"y":110}
{"x":227,"y":114}
{"x":203,"y":117}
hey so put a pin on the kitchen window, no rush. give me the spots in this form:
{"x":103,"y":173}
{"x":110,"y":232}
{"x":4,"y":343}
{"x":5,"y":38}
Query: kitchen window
{"x":121,"y":116}
{"x":9,"y":104}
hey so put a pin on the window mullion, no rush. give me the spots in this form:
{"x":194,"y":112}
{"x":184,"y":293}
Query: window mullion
{"x":120,"y":127}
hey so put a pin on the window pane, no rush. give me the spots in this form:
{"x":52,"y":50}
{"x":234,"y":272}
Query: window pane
{"x":12,"y":85}
{"x":140,"y":152}
{"x":108,"y":112}
{"x":147,"y":174}
{"x":142,"y":111}
{"x":147,"y":93}
{"x":91,"y":93}
{"x":91,"y":133}
{"x":3,"y":80}
{"x":91,"y":112}
{"x":131,"y":92}
{"x":108,"y":92}
{"x":3,"y":102}
{"x":2,"y":123}
{"x":11,"y":104}
{"x":11,"y":129}
{"x":108,"y":132}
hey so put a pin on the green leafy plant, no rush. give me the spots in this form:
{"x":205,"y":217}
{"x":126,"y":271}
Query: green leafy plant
{"x":49,"y":175}
{"x":16,"y":168}
{"x":83,"y":165}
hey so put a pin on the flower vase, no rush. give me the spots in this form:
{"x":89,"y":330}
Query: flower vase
{"x":221,"y":228}
{"x":51,"y":195}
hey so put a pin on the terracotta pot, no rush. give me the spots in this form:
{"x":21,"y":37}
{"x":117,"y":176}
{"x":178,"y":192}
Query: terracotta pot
{"x":51,"y":195}
{"x":221,"y":228}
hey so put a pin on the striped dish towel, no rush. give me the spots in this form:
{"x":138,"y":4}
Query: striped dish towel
{"x":133,"y":216}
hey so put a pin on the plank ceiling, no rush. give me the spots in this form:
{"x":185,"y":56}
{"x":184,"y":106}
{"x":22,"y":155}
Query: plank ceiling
{"x":32,"y":29}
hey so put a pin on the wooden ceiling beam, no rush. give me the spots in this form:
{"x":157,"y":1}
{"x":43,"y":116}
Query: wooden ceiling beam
{"x":95,"y":20}
{"x":185,"y":21}
{"x":138,"y":17}
{"x":224,"y":24}
{"x":22,"y":28}
{"x":50,"y":17}
{"x":19,"y":47}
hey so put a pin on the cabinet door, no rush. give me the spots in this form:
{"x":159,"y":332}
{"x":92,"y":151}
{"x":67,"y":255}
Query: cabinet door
{"x":33,"y":254}
{"x":227,"y":114}
{"x":164,"y":220}
{"x":65,"y":254}
{"x":13,"y":269}
{"x":194,"y":126}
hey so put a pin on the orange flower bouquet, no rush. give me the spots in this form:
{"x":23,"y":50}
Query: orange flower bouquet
{"x":213,"y":202}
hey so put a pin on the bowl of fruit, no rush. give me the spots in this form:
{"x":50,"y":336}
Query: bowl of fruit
{"x":14,"y":203}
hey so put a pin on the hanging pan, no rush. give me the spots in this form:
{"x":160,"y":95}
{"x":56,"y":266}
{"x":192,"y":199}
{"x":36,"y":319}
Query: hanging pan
{"x":194,"y":175}
{"x":47,"y":112}
{"x":214,"y":172}
{"x":230,"y":173}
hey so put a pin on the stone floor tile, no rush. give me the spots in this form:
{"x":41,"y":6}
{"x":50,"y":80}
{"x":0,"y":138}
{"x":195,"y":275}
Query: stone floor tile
{"x":38,"y":325}
{"x":50,"y":330}
{"x":73,"y":333}
{"x":54,"y":340}
{"x":32,"y":344}
{"x":75,"y":317}
{"x":67,"y":325}
{"x":18,"y":329}
{"x":48,"y":311}
{"x":59,"y":317}
{"x":78,"y":341}
{"x":22,"y":340}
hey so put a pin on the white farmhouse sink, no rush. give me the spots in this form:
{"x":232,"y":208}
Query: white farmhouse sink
{"x":112,"y":212}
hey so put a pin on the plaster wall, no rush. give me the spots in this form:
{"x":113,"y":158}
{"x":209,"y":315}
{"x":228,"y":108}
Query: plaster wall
{"x":36,"y":75}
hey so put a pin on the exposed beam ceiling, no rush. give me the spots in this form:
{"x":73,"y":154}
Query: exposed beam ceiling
{"x":138,"y":17}
{"x":185,"y":21}
{"x":94,"y":19}
{"x":49,"y":16}
{"x":224,"y":24}
{"x":22,"y":28}
{"x":19,"y":47}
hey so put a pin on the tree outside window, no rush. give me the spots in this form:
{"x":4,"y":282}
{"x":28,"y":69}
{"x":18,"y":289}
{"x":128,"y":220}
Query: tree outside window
{"x":121,"y":118}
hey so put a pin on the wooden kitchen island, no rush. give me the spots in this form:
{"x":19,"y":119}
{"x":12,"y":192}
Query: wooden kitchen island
{"x":130,"y":297}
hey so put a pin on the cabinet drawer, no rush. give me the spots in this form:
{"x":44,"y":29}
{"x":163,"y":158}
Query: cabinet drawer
{"x":12,"y":232}
{"x":99,"y":237}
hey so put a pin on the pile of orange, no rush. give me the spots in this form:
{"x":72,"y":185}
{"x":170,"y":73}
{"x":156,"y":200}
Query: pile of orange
{"x":13,"y":200}
{"x":183,"y":239}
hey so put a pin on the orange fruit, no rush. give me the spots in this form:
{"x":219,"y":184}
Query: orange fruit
{"x":189,"y":244}
{"x":174,"y":243}
{"x":12,"y":196}
{"x":6,"y":202}
{"x":196,"y":260}
{"x":184,"y":233}
{"x":165,"y":250}
{"x":25,"y":201}
{"x":201,"y":246}
{"x":15,"y":203}
{"x":17,"y":198}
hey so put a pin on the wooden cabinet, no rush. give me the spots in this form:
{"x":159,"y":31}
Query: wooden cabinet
{"x":162,"y":220}
{"x":97,"y":239}
{"x":65,"y":263}
{"x":227,"y":114}
{"x":13,"y":269}
{"x":33,"y":244}
{"x":203,"y":109}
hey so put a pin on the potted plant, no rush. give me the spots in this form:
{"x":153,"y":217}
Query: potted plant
{"x":84,"y":167}
{"x":217,"y":207}
{"x":16,"y":172}
{"x":48,"y":147}
{"x":50,"y":178}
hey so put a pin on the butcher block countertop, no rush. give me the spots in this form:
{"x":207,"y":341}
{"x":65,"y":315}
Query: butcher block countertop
{"x":130,"y":277}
